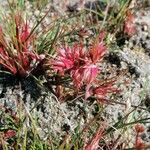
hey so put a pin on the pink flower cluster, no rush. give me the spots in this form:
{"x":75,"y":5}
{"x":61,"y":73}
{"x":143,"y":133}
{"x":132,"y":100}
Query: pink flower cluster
{"x":82,"y":66}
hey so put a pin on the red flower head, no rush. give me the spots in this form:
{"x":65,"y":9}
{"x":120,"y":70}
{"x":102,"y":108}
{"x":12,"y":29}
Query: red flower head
{"x":98,"y":49}
{"x":139,"y":128}
{"x":101,"y":91}
{"x":84,"y":74}
{"x":97,"y":52}
{"x":139,"y":145}
{"x":9,"y":134}
{"x":129,"y":27}
{"x":94,"y":143}
{"x":68,"y":58}
{"x":89,"y":73}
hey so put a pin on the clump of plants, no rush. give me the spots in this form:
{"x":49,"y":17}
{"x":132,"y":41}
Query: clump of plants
{"x":17,"y":47}
{"x":77,"y":68}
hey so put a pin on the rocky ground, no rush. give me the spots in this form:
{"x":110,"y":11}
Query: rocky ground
{"x":58,"y":118}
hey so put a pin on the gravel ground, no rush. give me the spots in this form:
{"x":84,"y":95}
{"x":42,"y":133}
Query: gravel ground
{"x":55,"y":117}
